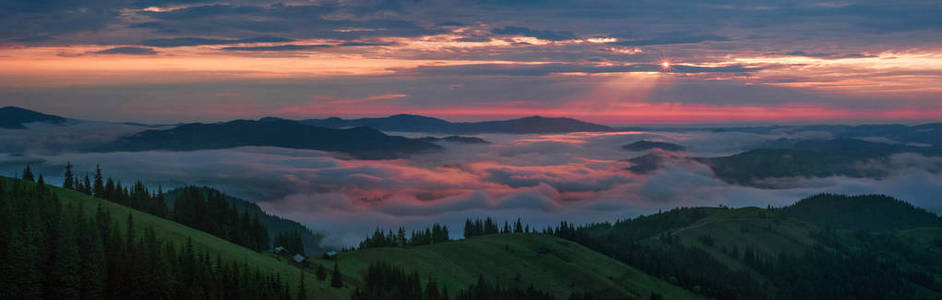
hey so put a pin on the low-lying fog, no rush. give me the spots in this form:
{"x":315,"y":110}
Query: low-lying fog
{"x":543,"y":179}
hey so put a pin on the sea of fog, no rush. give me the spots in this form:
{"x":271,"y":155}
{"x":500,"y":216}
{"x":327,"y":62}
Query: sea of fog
{"x":542,"y":179}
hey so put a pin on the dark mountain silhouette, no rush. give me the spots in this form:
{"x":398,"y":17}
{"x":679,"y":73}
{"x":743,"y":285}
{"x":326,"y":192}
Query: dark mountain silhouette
{"x":456,"y":139}
{"x":809,"y":158}
{"x":359,"y":142}
{"x":785,"y":158}
{"x":406,"y":123}
{"x":652,"y":161}
{"x":414,"y":123}
{"x":14,"y":117}
{"x":645,"y":145}
{"x":927,"y":134}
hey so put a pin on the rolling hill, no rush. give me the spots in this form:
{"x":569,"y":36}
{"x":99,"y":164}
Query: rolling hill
{"x":826,"y":246}
{"x":785,"y":158}
{"x":12,"y":117}
{"x":415,"y":123}
{"x":170,"y":231}
{"x":822,"y":247}
{"x":359,"y":142}
{"x":518,"y":260}
{"x":645,"y":145}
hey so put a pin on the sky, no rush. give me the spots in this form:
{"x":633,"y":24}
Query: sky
{"x":612,"y":62}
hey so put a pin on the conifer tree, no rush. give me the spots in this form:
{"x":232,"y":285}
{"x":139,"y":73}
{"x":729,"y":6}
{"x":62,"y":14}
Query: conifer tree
{"x":28,"y":174}
{"x":336,"y":279}
{"x":302,"y":292}
{"x":93,"y":270}
{"x":64,"y":278}
{"x":69,"y":182}
{"x":99,"y":189}
{"x":321,"y":272}
{"x":87,"y":187}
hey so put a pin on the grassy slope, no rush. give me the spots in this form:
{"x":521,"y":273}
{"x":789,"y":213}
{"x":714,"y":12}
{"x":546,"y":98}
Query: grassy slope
{"x":770,"y":236}
{"x":747,"y":226}
{"x":566,"y":267}
{"x":171,"y":231}
{"x":457,"y":263}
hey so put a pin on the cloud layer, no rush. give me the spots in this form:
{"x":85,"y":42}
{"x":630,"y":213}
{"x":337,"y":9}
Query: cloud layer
{"x":580,"y":177}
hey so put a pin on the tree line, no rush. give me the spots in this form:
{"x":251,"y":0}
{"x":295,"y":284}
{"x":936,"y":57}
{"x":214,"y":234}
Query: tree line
{"x":431,"y":235}
{"x":212,"y":213}
{"x":383,"y":281}
{"x":206,"y":211}
{"x":291,"y":241}
{"x":689,"y":267}
{"x":478,"y":227}
{"x":52,"y":250}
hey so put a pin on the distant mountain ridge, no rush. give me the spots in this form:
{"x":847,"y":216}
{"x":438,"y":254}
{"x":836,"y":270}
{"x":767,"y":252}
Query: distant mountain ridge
{"x":12,"y":117}
{"x":359,"y":142}
{"x":645,"y":145}
{"x":416,"y":123}
{"x":788,"y":158}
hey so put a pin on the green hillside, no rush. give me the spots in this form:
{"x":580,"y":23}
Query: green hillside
{"x":822,"y":247}
{"x":519,"y":260}
{"x":167,"y":230}
{"x":276,"y":225}
{"x":878,"y":212}
{"x":826,"y":246}
{"x":545,"y":262}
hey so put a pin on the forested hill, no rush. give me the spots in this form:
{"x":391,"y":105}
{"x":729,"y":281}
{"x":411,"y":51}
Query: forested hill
{"x":62,"y":244}
{"x":822,"y":247}
{"x":276,"y":225}
{"x":58,"y":243}
{"x":415,"y":123}
{"x":863,"y":212}
{"x":361,"y":142}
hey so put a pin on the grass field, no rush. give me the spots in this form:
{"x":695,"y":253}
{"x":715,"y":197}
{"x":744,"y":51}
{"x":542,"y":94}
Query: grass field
{"x":520,"y":260}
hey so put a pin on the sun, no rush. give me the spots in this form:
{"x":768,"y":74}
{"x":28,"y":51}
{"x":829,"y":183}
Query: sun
{"x":665,"y":65}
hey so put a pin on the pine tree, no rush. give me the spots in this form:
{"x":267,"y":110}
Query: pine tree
{"x":87,"y":187}
{"x":69,"y":182}
{"x":321,"y":272}
{"x":65,"y":280}
{"x":99,"y":189}
{"x":302,"y":292}
{"x":468,"y":228}
{"x":336,"y":279}
{"x":28,"y":174}
{"x":93,"y":272}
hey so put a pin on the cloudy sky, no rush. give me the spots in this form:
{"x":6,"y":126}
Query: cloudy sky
{"x":615,"y":62}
